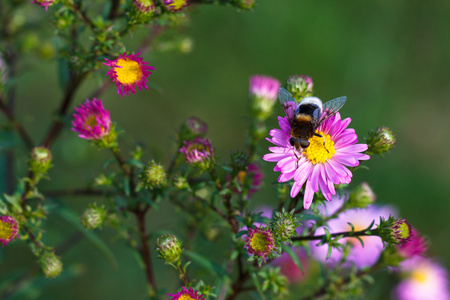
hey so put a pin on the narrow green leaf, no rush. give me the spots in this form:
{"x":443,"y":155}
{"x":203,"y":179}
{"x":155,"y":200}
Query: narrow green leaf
{"x":257,"y":284}
{"x":207,"y":264}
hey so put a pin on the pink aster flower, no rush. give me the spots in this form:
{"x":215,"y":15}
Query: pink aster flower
{"x":145,"y":5}
{"x":360,"y":256}
{"x":319,"y":168}
{"x":259,"y":242}
{"x":264,"y":87}
{"x":417,"y":245}
{"x":9,"y":229}
{"x":91,"y":120}
{"x":187,"y":294}
{"x":175,"y":5}
{"x":128,"y":71}
{"x":424,"y":279}
{"x":199,"y":152}
{"x":44,"y":3}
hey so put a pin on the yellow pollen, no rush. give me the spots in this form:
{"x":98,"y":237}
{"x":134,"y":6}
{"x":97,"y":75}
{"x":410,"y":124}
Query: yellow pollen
{"x":241,"y":176}
{"x":419,"y":276}
{"x":91,"y":121}
{"x":130,"y":71}
{"x":316,"y":152}
{"x":5,"y":230}
{"x":177,"y":4}
{"x":185,"y":297}
{"x":259,"y":242}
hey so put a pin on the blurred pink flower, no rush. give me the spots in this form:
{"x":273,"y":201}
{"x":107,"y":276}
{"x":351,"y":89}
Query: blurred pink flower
{"x":91,"y":120}
{"x":9,"y":229}
{"x":187,"y":294}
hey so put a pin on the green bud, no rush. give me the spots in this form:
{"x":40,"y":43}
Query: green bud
{"x":40,"y":162}
{"x":283,"y":225}
{"x":51,"y":264}
{"x":245,"y":4}
{"x":239,"y":161}
{"x":380,"y":141}
{"x":153,"y":176}
{"x":192,"y":128}
{"x":394,"y":231}
{"x":180,"y":182}
{"x":93,"y":217}
{"x":361,"y":196}
{"x":169,"y":248}
{"x":300,"y":86}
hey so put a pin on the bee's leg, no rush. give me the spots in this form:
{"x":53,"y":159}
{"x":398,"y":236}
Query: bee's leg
{"x":319,"y":135}
{"x":296,"y":156}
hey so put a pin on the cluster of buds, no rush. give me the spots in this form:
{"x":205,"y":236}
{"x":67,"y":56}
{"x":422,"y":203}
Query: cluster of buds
{"x":300,"y":86}
{"x":283,"y":225}
{"x":380,"y":141}
{"x":93,"y":217}
{"x":169,"y":248}
{"x":153,"y":176}
{"x":51,"y":265}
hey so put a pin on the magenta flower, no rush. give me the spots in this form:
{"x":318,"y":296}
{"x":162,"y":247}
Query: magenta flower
{"x":91,"y":120}
{"x":264,"y":87}
{"x":128,"y":71}
{"x":417,"y":245}
{"x":44,"y":3}
{"x":187,"y":294}
{"x":199,"y":152}
{"x":175,"y":5}
{"x":360,"y":256}
{"x":259,"y":242}
{"x":319,"y":168}
{"x":289,"y":269}
{"x":252,"y":178}
{"x":145,"y":5}
{"x":9,"y":229}
{"x":423,"y":280}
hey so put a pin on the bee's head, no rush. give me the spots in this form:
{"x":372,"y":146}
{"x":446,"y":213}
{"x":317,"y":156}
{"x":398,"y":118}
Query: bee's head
{"x":304,"y":143}
{"x":297,"y":143}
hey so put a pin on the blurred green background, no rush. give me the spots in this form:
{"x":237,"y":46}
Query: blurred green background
{"x":390,"y":58}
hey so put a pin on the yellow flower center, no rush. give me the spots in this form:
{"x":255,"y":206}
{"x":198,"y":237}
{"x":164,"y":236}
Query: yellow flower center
{"x":130,"y":71}
{"x":177,"y":4}
{"x":259,"y":242}
{"x":317,"y":151}
{"x":91,"y":121}
{"x":420,"y":276}
{"x":5,"y":230}
{"x":404,"y":230}
{"x":185,"y":297}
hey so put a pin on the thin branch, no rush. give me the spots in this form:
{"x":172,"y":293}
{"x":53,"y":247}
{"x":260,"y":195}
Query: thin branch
{"x":343,"y":234}
{"x":17,"y":126}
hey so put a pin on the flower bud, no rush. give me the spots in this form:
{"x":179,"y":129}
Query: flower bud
{"x":300,"y":86}
{"x":395,"y":231}
{"x":263,"y":95}
{"x":193,"y":127}
{"x":199,"y":153}
{"x":283,"y":225}
{"x":40,"y":160}
{"x":175,"y":5}
{"x":169,"y":248}
{"x":361,"y":196}
{"x":44,"y":3}
{"x":145,"y":6}
{"x":239,"y":161}
{"x":244,"y":4}
{"x":93,"y":217}
{"x":380,"y":141}
{"x":51,"y":264}
{"x":9,"y":229}
{"x":153,"y":176}
{"x":180,"y":182}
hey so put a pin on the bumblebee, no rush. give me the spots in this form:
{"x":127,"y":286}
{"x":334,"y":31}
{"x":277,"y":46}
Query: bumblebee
{"x":305,"y":117}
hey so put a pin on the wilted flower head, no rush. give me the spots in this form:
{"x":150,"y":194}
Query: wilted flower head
{"x":9,"y":229}
{"x":263,"y":95}
{"x":199,"y":153}
{"x":44,"y":3}
{"x":360,"y":256}
{"x":175,"y":5}
{"x":416,"y":245}
{"x":91,"y":120}
{"x":146,"y":6}
{"x":300,"y":86}
{"x":361,"y":196}
{"x":128,"y":71}
{"x":423,"y":280}
{"x":51,"y":264}
{"x":154,"y":175}
{"x":318,"y":166}
{"x":169,"y":248}
{"x":93,"y":217}
{"x":381,"y":140}
{"x":260,"y":242}
{"x":187,"y":294}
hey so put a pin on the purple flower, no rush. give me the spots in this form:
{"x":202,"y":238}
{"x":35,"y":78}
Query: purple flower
{"x":199,"y":152}
{"x":289,"y":269}
{"x":264,"y":87}
{"x":360,"y":218}
{"x":128,"y":71}
{"x":145,"y":5}
{"x":187,"y":294}
{"x":44,"y":3}
{"x":423,"y":280}
{"x":175,"y":5}
{"x":9,"y":229}
{"x":315,"y":166}
{"x":259,"y":242}
{"x":91,"y":120}
{"x":417,"y":245}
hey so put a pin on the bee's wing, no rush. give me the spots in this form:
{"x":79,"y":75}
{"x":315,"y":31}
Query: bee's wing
{"x":330,"y":108}
{"x":288,"y":102}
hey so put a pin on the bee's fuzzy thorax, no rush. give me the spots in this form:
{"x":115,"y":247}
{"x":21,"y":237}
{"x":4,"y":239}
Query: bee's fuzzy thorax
{"x":303,"y":118}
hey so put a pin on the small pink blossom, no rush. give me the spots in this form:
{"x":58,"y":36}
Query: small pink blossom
{"x":91,"y":120}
